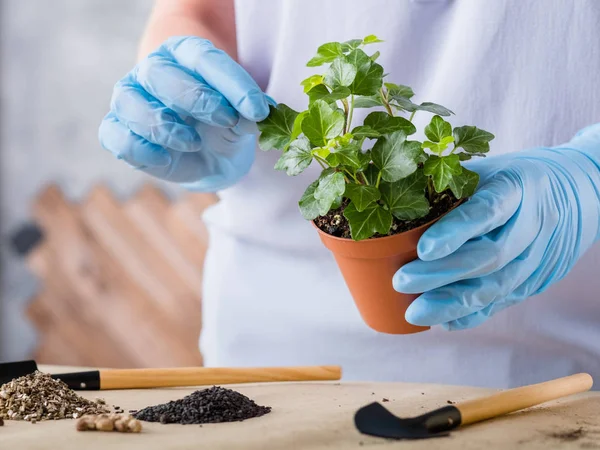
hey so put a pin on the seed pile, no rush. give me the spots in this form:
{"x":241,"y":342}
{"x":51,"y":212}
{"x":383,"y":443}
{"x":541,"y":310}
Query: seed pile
{"x":38,"y":396}
{"x":212,"y":405}
{"x":122,"y":423}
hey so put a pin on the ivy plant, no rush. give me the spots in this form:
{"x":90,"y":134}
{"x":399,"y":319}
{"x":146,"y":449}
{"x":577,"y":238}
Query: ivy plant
{"x":374,"y":169}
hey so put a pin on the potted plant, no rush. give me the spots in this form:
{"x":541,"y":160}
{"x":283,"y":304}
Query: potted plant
{"x":378,"y":190}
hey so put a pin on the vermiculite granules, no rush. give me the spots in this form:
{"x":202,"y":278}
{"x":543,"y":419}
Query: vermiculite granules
{"x":212,"y":405}
{"x":38,"y":396}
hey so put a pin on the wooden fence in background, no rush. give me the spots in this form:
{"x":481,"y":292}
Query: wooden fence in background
{"x":119,"y":282}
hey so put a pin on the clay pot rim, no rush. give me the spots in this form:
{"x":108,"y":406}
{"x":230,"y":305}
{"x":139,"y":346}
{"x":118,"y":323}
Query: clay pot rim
{"x":390,"y":237}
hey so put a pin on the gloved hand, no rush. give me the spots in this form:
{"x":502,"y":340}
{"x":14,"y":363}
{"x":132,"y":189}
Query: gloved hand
{"x":187,"y":113}
{"x":534,"y":214}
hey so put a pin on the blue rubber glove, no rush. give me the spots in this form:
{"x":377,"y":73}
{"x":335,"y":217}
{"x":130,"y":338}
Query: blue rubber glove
{"x":187,"y":114}
{"x":533,"y":216}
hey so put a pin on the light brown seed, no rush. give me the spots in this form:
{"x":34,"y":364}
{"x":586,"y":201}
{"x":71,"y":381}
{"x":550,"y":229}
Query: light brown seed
{"x":122,"y":425}
{"x":104,"y":425}
{"x":135,"y":426}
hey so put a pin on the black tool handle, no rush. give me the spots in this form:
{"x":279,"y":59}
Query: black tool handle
{"x":80,"y":381}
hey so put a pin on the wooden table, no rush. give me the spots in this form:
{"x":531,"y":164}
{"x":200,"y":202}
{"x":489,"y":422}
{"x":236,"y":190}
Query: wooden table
{"x":320,"y":416}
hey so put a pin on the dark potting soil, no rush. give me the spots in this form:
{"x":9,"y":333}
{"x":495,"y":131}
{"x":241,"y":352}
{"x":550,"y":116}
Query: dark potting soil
{"x":335,"y":223}
{"x":212,"y":405}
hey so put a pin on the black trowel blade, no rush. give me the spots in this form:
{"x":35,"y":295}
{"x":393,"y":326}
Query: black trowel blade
{"x":10,"y":371}
{"x":375,"y":420}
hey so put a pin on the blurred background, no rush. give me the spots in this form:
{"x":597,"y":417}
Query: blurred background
{"x":84,"y":291}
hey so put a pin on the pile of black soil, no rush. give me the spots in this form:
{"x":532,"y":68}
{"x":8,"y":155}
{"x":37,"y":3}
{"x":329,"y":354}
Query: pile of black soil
{"x":335,"y":223}
{"x":212,"y":405}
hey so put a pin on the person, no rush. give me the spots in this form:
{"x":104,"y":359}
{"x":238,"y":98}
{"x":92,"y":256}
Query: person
{"x":509,"y":271}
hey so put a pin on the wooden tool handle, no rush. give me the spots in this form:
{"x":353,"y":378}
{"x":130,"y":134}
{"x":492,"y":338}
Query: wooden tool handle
{"x":197,"y":376}
{"x":520,"y":398}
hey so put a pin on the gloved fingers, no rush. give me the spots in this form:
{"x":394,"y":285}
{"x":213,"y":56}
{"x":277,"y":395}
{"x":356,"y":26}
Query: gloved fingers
{"x":136,"y":151}
{"x":221,"y":73}
{"x":205,"y":168}
{"x":492,"y":206}
{"x":463,"y":298}
{"x":150,"y":119}
{"x":477,"y":258}
{"x":477,"y":318}
{"x":183,"y":91}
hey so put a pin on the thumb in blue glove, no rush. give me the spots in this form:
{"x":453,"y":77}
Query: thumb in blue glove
{"x":187,"y":114}
{"x":535,"y":213}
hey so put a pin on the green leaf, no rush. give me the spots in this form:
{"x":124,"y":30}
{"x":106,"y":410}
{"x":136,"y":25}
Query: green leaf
{"x":403,"y":103}
{"x":434,"y":146}
{"x":364,"y":224}
{"x":464,"y":184}
{"x":337,"y":203}
{"x":321,"y":195}
{"x":442,"y":169}
{"x":371,"y":39}
{"x":362,"y":196}
{"x":322,"y":123}
{"x":473,"y":139}
{"x":323,"y":152}
{"x":395,"y":156}
{"x":406,"y":198}
{"x":369,"y":74}
{"x":464,"y":156}
{"x":347,"y":155}
{"x":337,"y":94}
{"x":350,"y":45}
{"x":399,"y":90}
{"x":311,"y":82}
{"x":276,"y":130}
{"x":317,"y":93}
{"x":438,"y":129}
{"x":326,"y":53}
{"x":438,"y":147}
{"x":364,"y":131}
{"x":371,"y":173}
{"x":297,"y":128}
{"x":331,"y":186}
{"x":406,"y":105}
{"x":365,"y":160}
{"x":447,"y":141}
{"x":297,"y":158}
{"x":383,"y":123}
{"x":375,"y":55}
{"x":422,"y":157}
{"x":435,"y":109}
{"x":368,"y":101}
{"x":339,"y":73}
{"x":310,"y":207}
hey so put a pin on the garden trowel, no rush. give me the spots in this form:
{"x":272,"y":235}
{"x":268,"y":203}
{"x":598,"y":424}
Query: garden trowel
{"x":375,"y":420}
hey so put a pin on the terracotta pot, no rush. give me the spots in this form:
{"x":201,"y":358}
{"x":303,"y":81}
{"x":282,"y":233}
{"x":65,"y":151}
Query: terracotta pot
{"x":368,"y":267}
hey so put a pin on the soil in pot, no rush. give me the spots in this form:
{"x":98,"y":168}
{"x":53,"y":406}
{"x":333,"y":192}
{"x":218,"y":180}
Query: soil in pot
{"x":335,"y":224}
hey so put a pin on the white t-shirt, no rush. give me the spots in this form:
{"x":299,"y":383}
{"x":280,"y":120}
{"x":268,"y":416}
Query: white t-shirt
{"x":526,"y":70}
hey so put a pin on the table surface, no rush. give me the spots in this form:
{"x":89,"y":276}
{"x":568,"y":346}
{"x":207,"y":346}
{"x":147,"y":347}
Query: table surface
{"x":320,"y":416}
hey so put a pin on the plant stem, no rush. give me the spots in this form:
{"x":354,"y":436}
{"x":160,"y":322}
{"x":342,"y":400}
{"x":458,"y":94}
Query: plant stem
{"x":385,"y":102}
{"x":365,"y":178}
{"x":353,"y":177}
{"x":430,"y":189}
{"x":412,"y":115}
{"x":350,"y":113}
{"x":322,"y":162}
{"x":346,"y":113}
{"x":378,"y":180}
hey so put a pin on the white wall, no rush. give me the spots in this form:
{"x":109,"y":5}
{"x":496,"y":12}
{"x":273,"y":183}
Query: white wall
{"x":60,"y":59}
